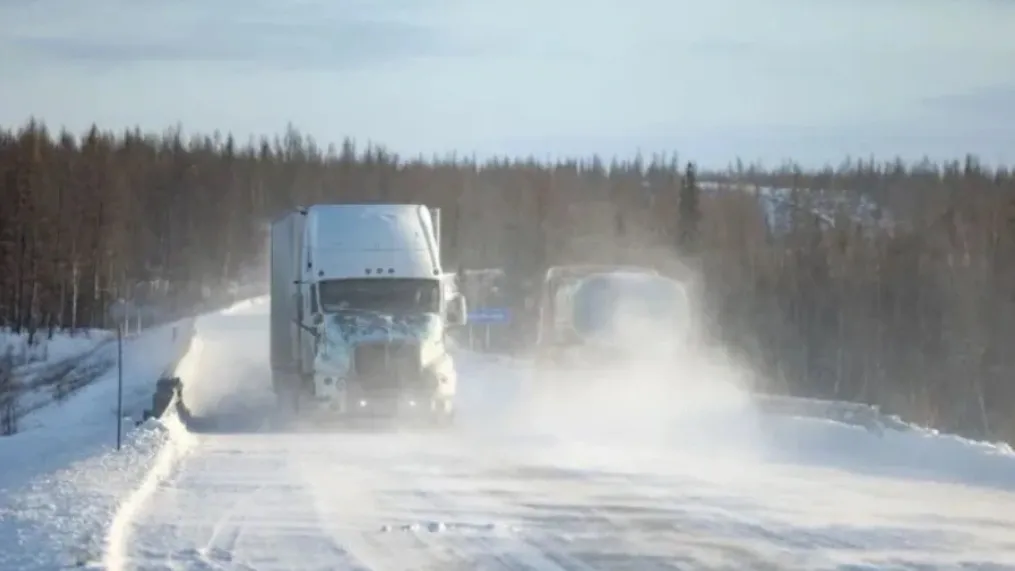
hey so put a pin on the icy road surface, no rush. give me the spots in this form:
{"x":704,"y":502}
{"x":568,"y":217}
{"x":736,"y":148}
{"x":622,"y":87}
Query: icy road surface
{"x":236,"y":494}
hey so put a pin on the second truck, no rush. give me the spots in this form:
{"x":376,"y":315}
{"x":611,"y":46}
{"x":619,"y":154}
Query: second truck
{"x":603,"y":313}
{"x":360,"y":308}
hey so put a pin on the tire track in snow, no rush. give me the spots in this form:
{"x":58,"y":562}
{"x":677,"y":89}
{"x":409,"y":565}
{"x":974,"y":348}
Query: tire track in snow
{"x":227,"y":530}
{"x":420,"y":517}
{"x":120,"y":530}
{"x":585,"y":519}
{"x":509,"y":550}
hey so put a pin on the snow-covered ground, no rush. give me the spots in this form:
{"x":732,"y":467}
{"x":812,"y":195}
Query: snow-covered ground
{"x":513,"y":487}
{"x":60,"y":477}
{"x":44,"y":350}
{"x":35,"y":371}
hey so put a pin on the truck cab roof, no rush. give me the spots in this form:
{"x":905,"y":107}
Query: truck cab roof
{"x":372,"y":241}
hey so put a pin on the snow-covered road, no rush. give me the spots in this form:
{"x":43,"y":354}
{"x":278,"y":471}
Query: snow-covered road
{"x":235,"y":494}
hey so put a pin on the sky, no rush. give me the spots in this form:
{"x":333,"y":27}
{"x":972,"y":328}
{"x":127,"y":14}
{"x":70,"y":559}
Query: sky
{"x":813,"y":81}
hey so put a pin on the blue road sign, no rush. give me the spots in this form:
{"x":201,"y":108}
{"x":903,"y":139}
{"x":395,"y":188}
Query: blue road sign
{"x":490,"y":315}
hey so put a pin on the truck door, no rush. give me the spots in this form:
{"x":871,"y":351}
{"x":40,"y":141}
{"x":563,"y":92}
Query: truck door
{"x":305,"y":309}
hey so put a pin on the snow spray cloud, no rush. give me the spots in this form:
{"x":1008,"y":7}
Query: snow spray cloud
{"x":232,"y":390}
{"x":638,"y":370}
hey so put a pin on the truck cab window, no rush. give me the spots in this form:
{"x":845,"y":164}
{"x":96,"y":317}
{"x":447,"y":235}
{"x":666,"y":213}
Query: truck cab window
{"x":387,"y":295}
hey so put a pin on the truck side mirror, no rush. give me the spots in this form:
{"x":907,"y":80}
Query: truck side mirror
{"x":317,"y":319}
{"x":457,"y":311}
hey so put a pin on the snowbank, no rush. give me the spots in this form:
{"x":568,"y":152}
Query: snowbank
{"x":60,"y":520}
{"x":67,"y":497}
{"x":918,"y":453}
{"x":495,"y":398}
{"x":62,"y":478}
{"x":155,"y":467}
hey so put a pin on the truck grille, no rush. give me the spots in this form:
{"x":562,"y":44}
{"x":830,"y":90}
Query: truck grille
{"x":386,"y":364}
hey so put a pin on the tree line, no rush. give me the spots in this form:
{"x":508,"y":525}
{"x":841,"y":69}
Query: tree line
{"x":881,"y":282}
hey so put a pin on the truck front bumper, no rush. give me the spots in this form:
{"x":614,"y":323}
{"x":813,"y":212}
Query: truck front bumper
{"x":354,"y":397}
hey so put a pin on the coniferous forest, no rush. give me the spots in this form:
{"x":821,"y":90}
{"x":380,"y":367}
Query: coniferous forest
{"x":874,"y":281}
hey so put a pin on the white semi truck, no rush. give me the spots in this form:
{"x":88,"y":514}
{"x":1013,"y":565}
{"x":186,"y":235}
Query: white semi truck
{"x":360,"y":311}
{"x":595,"y":313}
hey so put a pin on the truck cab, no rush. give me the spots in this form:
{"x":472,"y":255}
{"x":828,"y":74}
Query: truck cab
{"x":362,"y":310}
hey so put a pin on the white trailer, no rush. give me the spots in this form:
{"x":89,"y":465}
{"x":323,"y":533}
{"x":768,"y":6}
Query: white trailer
{"x":359,"y":311}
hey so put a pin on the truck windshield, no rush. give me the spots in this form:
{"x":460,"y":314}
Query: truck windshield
{"x":603,"y":302}
{"x":385,"y":295}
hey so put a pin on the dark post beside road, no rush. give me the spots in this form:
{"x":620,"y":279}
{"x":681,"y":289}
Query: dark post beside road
{"x":119,"y":385}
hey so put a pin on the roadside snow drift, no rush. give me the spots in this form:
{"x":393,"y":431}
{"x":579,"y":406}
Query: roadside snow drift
{"x":61,"y":479}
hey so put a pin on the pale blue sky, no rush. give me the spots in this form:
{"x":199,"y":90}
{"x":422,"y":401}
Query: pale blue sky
{"x":807,"y":79}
